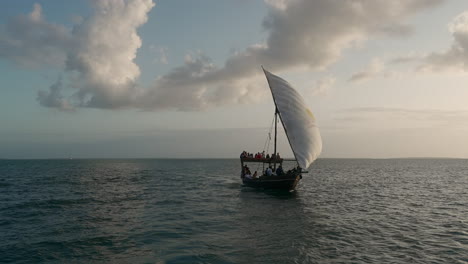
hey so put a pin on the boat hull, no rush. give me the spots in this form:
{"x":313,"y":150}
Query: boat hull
{"x":283,"y":183}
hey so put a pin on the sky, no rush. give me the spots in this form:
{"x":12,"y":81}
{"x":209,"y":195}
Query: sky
{"x":183,"y":79}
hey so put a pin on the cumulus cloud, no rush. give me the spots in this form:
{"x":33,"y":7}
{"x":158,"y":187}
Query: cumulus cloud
{"x":30,"y":41}
{"x":456,"y":57}
{"x":301,"y":33}
{"x":102,"y":57}
{"x":198,"y":85}
{"x":453,"y":59}
{"x":375,"y":68}
{"x":99,"y":53}
{"x":54,"y":98}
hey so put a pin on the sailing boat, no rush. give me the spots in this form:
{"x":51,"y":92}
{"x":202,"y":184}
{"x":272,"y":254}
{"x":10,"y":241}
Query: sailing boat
{"x":303,"y":136}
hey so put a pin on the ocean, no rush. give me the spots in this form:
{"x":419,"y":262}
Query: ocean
{"x":197,"y":211}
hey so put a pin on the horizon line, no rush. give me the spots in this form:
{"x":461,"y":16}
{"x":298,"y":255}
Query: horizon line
{"x":210,"y":158}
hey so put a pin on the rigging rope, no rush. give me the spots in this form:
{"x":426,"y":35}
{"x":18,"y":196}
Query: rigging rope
{"x":268,"y":140}
{"x":266,"y":146}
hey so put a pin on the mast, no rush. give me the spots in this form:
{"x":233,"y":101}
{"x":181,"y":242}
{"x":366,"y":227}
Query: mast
{"x":276,"y":129}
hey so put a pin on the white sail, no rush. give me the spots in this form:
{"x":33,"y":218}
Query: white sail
{"x":298,"y":121}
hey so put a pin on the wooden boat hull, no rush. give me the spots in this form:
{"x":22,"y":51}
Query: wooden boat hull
{"x":283,"y":183}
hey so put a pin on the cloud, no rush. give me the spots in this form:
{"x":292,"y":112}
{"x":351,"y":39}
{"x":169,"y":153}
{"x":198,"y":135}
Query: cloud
{"x":323,"y":85}
{"x":279,"y":4}
{"x":411,"y":117}
{"x":54,"y":98}
{"x":301,"y":33}
{"x":405,"y":59}
{"x":456,"y":57}
{"x":397,"y":30}
{"x":99,"y":53}
{"x":374,"y":69}
{"x":198,"y":85}
{"x":30,"y":41}
{"x":103,"y":54}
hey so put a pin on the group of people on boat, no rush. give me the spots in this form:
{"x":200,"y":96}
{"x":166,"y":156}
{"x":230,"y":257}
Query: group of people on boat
{"x":279,"y":171}
{"x":259,"y":155}
{"x":246,"y":173}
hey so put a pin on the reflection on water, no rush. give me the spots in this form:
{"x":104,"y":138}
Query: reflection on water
{"x":196,"y":211}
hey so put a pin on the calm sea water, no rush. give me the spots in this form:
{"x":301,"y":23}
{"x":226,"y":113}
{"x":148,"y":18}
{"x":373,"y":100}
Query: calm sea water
{"x":196,"y":211}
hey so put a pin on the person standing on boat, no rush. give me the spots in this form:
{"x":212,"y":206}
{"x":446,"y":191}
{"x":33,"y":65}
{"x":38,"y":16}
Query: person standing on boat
{"x":268,"y":171}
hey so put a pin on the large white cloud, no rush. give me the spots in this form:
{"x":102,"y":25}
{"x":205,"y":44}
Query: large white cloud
{"x":100,"y":52}
{"x":96,"y":55}
{"x":103,"y":52}
{"x":300,"y":33}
